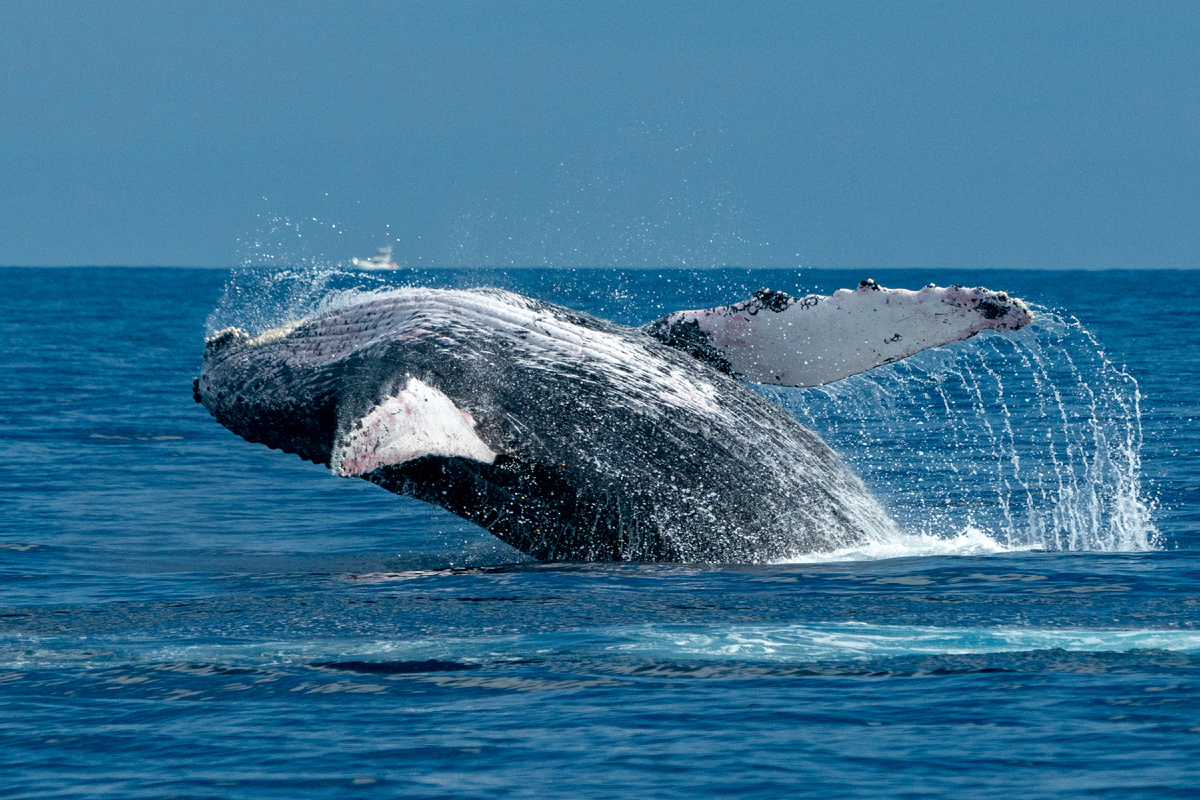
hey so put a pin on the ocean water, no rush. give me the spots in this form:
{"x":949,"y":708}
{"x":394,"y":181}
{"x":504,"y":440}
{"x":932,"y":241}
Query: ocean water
{"x":183,"y":613}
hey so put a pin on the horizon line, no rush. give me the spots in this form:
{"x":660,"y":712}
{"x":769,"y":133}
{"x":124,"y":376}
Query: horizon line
{"x":799,"y":268}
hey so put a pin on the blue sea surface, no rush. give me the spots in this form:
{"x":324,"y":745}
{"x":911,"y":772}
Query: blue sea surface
{"x":183,"y":613}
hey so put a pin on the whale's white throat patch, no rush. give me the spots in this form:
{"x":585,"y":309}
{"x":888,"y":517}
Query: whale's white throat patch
{"x":419,"y":421}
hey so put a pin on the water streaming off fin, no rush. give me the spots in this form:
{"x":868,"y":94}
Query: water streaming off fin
{"x":1032,"y":438}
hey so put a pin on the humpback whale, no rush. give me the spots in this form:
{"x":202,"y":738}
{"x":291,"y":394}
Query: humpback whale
{"x":573,"y":438}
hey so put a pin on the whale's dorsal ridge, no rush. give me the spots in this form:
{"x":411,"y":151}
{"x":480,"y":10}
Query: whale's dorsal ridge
{"x":415,"y":422}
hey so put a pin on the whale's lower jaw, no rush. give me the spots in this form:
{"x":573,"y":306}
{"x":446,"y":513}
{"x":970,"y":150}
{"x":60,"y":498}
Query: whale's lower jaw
{"x":553,"y":517}
{"x":535,"y":510}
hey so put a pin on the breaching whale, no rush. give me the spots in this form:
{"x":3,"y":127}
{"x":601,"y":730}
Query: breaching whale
{"x":573,"y":438}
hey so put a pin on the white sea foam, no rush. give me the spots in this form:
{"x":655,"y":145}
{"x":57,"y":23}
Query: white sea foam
{"x":854,"y":641}
{"x":799,"y":643}
{"x":971,"y":541}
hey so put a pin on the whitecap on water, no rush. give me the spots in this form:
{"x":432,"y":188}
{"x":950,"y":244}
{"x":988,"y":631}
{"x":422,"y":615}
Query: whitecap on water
{"x":856,"y":641}
{"x":796,"y":643}
{"x":970,"y":541}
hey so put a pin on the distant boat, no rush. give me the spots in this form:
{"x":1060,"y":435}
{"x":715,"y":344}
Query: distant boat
{"x":381,"y":260}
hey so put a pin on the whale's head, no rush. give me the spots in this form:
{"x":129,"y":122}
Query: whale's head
{"x":386,"y":380}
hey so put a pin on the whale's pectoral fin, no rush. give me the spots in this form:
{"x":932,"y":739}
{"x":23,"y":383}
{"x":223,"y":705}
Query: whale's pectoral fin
{"x":808,"y":341}
{"x":419,"y":421}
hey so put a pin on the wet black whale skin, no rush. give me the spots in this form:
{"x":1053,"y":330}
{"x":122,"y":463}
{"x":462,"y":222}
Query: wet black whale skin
{"x":592,"y":464}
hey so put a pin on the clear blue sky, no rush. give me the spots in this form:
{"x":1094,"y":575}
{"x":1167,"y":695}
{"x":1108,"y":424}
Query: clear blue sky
{"x":973,"y":134}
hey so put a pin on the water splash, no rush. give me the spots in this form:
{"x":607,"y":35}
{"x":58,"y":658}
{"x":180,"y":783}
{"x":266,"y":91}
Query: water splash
{"x":281,"y":242}
{"x":971,"y":541}
{"x":1032,"y":438}
{"x":1026,"y":441}
{"x":256,"y":300}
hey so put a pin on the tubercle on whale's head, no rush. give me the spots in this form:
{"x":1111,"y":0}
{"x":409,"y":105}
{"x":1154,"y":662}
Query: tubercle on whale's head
{"x":234,"y":335}
{"x":223,"y":339}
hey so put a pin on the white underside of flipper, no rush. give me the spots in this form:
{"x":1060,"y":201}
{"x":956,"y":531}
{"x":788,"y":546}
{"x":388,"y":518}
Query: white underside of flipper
{"x":419,"y":421}
{"x":809,"y":341}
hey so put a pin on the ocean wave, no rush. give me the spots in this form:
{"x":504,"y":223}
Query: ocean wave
{"x":788,"y":643}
